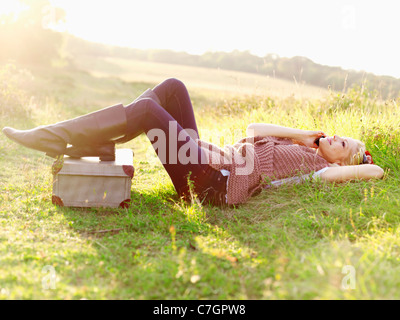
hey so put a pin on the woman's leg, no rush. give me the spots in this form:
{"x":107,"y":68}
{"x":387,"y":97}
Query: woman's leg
{"x":175,"y":146}
{"x":174,"y":98}
{"x":178,"y":152}
{"x":171,"y":127}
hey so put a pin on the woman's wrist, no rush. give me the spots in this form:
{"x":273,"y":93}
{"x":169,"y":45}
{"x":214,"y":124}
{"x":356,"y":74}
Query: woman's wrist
{"x":300,"y":134}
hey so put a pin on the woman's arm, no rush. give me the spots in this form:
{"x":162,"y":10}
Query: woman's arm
{"x":305,"y":137}
{"x":346,"y":173}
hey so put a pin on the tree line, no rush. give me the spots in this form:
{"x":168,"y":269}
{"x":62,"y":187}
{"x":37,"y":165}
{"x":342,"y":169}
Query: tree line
{"x":299,"y":69}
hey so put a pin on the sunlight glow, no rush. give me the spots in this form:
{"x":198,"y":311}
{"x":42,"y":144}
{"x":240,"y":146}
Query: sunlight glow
{"x":352,"y":34}
{"x":11,"y":7}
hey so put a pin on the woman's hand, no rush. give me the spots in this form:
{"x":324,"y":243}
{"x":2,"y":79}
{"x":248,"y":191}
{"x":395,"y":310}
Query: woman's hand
{"x":308,"y":138}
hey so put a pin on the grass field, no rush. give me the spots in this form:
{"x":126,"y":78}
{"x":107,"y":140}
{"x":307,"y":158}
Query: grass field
{"x":215,"y":82}
{"x":309,"y":241}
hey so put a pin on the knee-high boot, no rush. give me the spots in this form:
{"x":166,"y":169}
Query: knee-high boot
{"x":92,"y":132}
{"x":147,"y":94}
{"x":106,"y":150}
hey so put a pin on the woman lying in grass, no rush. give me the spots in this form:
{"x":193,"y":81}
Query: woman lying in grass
{"x":269,"y":155}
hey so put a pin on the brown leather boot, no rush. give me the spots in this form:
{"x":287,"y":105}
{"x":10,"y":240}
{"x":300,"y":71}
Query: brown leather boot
{"x":94,"y":129}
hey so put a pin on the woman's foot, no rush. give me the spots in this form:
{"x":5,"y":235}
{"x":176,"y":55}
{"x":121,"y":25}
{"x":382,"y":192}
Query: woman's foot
{"x":94,"y":129}
{"x":40,"y":139}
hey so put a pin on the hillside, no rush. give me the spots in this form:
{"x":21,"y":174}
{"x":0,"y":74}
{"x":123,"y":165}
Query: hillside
{"x":299,"y":70}
{"x":212,"y":82}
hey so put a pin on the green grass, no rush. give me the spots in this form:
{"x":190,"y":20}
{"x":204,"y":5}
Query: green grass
{"x":291,"y":242}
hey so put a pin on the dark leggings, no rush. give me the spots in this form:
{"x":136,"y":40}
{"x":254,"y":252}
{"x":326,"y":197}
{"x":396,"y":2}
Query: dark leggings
{"x":173,"y":118}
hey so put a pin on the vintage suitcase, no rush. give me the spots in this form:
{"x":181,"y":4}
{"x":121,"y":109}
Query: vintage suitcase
{"x":89,"y":182}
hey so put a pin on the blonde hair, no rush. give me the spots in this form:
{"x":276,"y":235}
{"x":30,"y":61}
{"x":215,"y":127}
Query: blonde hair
{"x":357,"y":156}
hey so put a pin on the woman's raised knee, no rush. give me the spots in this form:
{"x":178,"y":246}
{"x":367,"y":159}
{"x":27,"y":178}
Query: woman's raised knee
{"x":143,"y":106}
{"x":174,"y":83}
{"x":149,"y":105}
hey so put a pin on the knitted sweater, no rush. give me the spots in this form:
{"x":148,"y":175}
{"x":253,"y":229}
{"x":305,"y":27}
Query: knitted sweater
{"x":255,"y":161}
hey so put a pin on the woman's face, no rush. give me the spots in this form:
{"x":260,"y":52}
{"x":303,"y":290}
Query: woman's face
{"x":337,"y":149}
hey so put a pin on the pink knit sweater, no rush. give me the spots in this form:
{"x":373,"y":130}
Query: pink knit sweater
{"x":255,"y":161}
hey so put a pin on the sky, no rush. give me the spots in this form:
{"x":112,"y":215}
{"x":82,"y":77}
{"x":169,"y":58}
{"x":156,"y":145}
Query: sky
{"x":359,"y":35}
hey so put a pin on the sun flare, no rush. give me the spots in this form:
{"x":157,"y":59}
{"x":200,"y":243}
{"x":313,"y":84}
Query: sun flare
{"x":11,"y":7}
